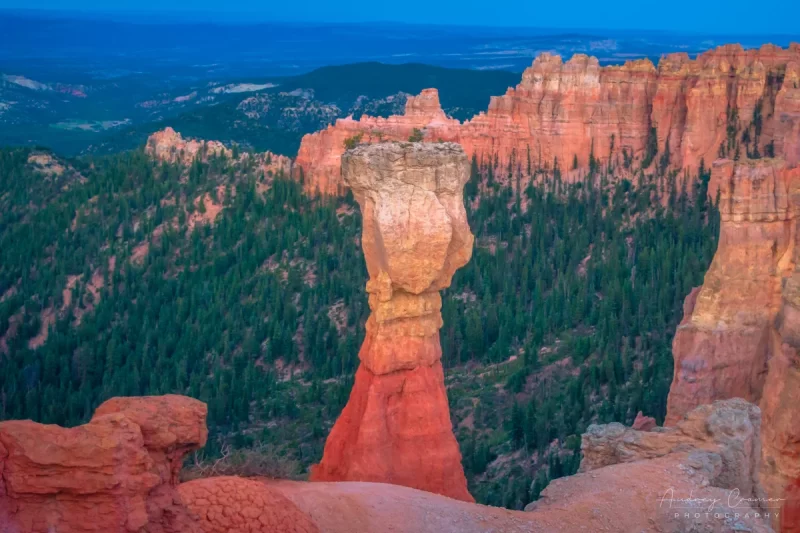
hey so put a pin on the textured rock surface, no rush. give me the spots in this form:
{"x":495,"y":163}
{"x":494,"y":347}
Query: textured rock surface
{"x":237,"y":505}
{"x":643,"y":423}
{"x":576,"y":109}
{"x":110,"y":475}
{"x":415,"y":235}
{"x":320,"y":154}
{"x":741,"y":329}
{"x":168,"y":145}
{"x":728,"y":428}
{"x":628,"y":483}
{"x":103,"y":477}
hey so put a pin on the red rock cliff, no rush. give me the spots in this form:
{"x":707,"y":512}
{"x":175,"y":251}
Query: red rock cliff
{"x":396,"y":426}
{"x":741,"y":329}
{"x":726,"y":99}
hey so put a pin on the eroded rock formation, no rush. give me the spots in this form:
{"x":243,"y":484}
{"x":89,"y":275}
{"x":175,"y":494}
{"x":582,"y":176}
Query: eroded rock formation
{"x":727,"y":101}
{"x":168,"y":145}
{"x":396,"y":426}
{"x":738,"y":337}
{"x":629,"y":481}
{"x":117,"y":474}
{"x":114,"y":474}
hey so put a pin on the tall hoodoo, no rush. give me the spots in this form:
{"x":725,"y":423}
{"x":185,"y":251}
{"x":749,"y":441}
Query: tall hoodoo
{"x":740,"y":333}
{"x":396,"y":426}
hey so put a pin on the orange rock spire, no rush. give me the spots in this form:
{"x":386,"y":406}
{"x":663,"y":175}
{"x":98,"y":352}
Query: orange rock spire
{"x":396,"y":426}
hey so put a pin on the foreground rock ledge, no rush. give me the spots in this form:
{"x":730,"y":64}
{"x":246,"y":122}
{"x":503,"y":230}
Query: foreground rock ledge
{"x":396,"y":426}
{"x":116,"y":475}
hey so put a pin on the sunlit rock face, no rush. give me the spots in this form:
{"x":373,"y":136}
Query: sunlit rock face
{"x":575,"y":111}
{"x":396,"y":426}
{"x":741,"y":329}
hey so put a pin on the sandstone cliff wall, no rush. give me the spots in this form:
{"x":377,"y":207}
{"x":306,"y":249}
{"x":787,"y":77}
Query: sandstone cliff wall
{"x":726,"y":101}
{"x":739,"y":335}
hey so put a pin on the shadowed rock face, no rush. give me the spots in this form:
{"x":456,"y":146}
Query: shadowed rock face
{"x":740,"y":332}
{"x":577,"y":109}
{"x":396,"y":426}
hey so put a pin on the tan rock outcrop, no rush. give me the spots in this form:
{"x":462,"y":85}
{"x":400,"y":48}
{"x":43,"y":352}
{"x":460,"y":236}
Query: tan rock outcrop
{"x":415,"y":236}
{"x":168,"y":145}
{"x":578,"y":109}
{"x":738,"y":337}
{"x":320,"y":155}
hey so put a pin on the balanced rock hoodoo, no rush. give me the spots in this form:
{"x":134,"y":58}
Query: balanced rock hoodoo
{"x":396,"y":426}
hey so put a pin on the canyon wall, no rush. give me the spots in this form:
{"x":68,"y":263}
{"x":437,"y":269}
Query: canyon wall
{"x":726,"y":101}
{"x":319,"y":159}
{"x":741,"y":329}
{"x":396,"y":425}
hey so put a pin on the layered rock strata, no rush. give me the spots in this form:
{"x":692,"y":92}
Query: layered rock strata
{"x":725,"y":101}
{"x":738,"y":337}
{"x":320,"y":155}
{"x":396,"y":426}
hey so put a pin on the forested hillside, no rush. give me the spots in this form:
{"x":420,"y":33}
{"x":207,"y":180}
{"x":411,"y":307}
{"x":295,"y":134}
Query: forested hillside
{"x":120,"y":276}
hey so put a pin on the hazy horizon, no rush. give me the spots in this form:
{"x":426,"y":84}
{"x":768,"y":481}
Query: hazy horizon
{"x":732,"y":17}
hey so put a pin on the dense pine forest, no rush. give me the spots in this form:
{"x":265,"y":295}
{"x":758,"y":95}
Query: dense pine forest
{"x":122,"y":276}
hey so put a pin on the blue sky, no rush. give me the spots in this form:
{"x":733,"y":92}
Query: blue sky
{"x":703,"y":16}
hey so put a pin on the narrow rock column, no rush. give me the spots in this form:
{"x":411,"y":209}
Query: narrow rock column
{"x":396,"y":426}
